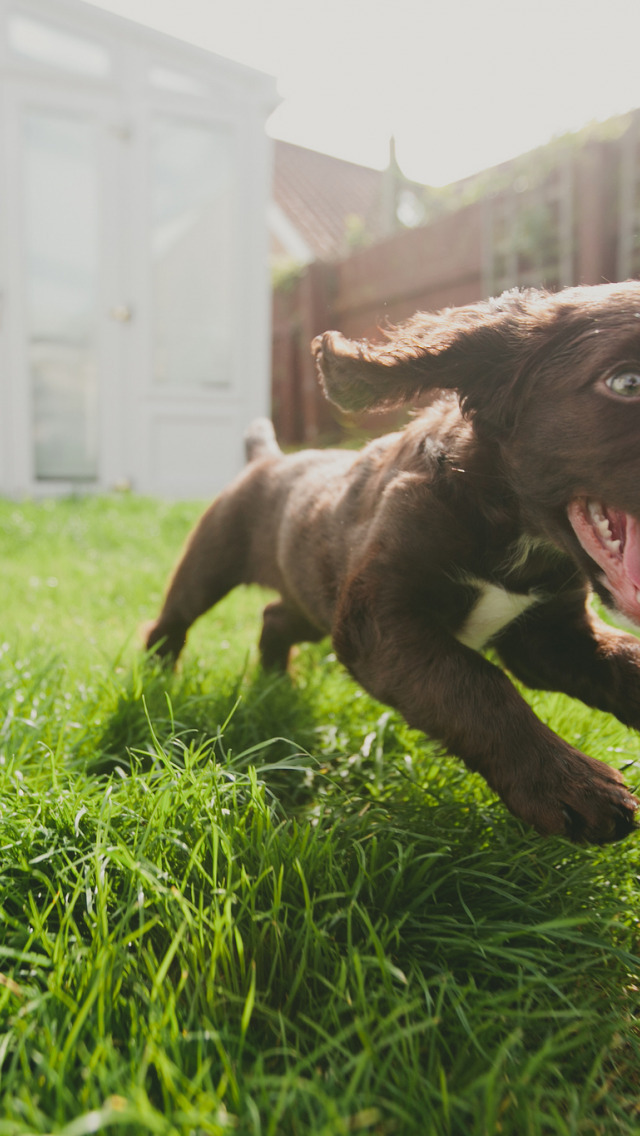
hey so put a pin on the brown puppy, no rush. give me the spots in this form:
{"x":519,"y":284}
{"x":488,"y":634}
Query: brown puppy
{"x":487,"y":521}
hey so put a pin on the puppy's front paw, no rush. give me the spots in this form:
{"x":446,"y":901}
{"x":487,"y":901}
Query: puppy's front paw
{"x":578,"y":797}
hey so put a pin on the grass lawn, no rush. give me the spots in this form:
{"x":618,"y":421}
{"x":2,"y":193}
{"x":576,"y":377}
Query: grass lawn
{"x":234,"y":904}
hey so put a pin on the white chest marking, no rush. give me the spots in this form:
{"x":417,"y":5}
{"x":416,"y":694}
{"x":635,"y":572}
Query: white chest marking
{"x":493,"y":610}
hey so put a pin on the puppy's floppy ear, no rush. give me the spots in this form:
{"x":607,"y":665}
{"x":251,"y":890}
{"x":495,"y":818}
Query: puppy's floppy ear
{"x":476,"y":350}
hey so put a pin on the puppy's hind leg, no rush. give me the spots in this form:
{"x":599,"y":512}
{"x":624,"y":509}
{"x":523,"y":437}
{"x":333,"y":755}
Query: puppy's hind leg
{"x":214,"y":561}
{"x":282,"y":627}
{"x":219,"y":554}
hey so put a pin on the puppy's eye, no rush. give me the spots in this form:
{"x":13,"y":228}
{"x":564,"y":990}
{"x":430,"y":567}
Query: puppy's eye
{"x":627,"y":384}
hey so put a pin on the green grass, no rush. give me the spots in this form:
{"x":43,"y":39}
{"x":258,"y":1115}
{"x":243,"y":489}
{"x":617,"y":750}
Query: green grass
{"x":234,"y":904}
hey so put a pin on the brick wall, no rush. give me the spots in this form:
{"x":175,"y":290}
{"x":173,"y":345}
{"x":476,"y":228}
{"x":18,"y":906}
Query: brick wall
{"x":571,"y":218}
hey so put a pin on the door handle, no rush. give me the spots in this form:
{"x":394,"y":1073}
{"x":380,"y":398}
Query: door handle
{"x":121,"y":313}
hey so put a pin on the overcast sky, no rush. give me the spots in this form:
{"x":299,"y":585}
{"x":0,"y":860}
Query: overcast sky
{"x":461,"y":84}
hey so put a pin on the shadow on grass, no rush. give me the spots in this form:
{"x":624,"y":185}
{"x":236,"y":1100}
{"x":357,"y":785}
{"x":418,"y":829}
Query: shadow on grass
{"x":336,"y":759}
{"x":235,"y":720}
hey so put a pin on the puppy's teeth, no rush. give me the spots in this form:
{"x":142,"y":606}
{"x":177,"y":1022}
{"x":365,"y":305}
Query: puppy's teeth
{"x":596,"y":513}
{"x":613,"y":545}
{"x":603,"y":528}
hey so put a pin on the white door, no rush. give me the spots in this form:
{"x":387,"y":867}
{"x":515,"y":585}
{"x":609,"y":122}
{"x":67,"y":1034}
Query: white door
{"x":187,"y":326}
{"x":66,"y":356}
{"x":134,"y":316}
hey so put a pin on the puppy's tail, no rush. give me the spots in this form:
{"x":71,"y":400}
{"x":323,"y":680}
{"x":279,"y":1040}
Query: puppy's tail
{"x":260,"y":440}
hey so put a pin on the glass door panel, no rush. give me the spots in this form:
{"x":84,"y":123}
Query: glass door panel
{"x":62,"y":274}
{"x":192,"y":237}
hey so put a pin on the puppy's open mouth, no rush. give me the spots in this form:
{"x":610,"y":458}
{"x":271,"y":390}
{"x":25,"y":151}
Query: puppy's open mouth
{"x":612,"y":539}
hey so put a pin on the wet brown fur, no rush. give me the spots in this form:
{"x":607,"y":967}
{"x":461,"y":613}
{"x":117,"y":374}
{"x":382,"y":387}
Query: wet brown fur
{"x":387,"y":550}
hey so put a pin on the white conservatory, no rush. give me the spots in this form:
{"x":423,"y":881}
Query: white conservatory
{"x":134,"y":290}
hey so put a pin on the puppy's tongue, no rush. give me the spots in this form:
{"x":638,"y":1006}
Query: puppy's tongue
{"x":631,"y":551}
{"x":612,"y":539}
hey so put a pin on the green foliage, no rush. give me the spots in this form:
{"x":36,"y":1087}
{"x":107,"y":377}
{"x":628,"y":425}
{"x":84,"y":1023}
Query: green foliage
{"x":237,"y":904}
{"x":355,"y":232}
{"x":285,"y":274}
